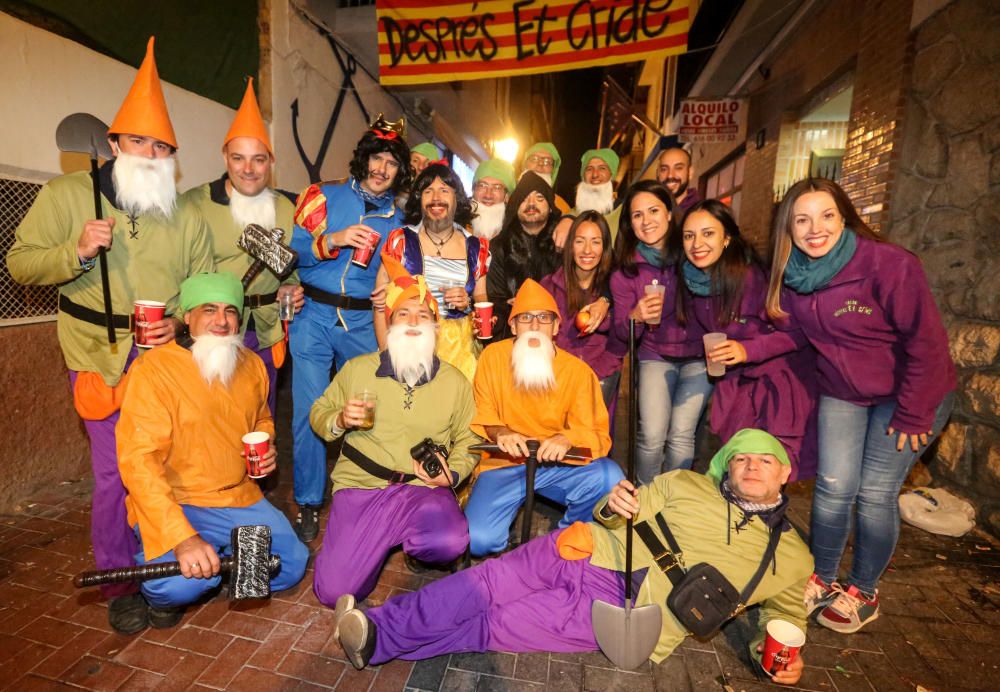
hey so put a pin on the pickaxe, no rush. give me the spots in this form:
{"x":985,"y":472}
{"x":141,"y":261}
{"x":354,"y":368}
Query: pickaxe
{"x":250,"y":567}
{"x":268,"y":251}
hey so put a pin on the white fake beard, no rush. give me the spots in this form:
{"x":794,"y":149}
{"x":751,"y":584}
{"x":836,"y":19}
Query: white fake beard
{"x":217,"y":356}
{"x":412,"y":357}
{"x":258,"y":209}
{"x":533,"y":364}
{"x":599,"y":198}
{"x":547,"y":177}
{"x":145,"y":186}
{"x":488,"y":220}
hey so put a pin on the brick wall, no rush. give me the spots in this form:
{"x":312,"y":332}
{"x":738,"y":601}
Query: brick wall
{"x":868,"y":36}
{"x":874,"y":134}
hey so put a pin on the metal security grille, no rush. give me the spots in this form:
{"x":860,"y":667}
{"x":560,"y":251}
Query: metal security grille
{"x":20,"y":304}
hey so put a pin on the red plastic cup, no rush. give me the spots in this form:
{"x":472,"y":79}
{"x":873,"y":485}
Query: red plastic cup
{"x":255,"y":446}
{"x":781,"y":646}
{"x":146,"y":312}
{"x":363,"y":255}
{"x":484,"y":318}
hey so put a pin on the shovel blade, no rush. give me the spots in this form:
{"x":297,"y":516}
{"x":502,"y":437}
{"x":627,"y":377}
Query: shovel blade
{"x":627,"y":637}
{"x":83,"y":133}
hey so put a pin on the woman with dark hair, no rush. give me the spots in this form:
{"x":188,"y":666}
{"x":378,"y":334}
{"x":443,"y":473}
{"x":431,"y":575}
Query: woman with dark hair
{"x":452,"y":261}
{"x":769,"y":382}
{"x":524,"y":249}
{"x":580,"y":288}
{"x":673,"y":384}
{"x":886,"y":383}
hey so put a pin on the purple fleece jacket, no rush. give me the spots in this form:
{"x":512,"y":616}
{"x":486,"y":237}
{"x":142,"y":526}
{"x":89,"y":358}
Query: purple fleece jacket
{"x":656,"y":342}
{"x":879,"y":335}
{"x":601,"y":350}
{"x":775,"y":390}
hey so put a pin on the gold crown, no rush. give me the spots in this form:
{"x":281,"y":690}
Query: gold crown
{"x":380,"y":123}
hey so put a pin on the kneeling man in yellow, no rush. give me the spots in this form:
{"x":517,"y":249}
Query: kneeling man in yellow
{"x":383,"y":495}
{"x":539,"y":597}
{"x":180,"y":453}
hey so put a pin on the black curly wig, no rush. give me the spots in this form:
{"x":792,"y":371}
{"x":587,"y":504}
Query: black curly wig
{"x":371,"y":144}
{"x":463,"y":207}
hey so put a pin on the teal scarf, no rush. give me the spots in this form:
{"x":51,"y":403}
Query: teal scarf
{"x":651,"y":254}
{"x":804,"y":275}
{"x":698,"y":282}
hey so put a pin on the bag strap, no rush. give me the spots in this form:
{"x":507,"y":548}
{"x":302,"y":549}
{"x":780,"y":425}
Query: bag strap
{"x":772,"y":546}
{"x":667,"y":560}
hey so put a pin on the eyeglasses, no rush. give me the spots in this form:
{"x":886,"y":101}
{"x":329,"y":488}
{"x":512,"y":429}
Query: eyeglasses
{"x":540,"y":161}
{"x":483,"y":186}
{"x":541,"y":318}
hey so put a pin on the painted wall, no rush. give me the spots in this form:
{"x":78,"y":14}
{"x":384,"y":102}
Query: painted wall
{"x":46,"y":77}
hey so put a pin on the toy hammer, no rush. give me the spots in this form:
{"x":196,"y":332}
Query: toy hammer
{"x":267,"y":250}
{"x":250,"y":567}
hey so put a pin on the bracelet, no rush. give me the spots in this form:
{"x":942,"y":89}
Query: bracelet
{"x":87,"y":264}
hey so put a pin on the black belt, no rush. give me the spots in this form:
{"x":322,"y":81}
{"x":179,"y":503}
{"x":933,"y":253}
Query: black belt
{"x":259,"y":300}
{"x":123,"y":322}
{"x":337,"y":300}
{"x":374,"y":468}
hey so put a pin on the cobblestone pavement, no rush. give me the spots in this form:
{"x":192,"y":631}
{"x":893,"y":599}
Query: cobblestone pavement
{"x":939,"y":628}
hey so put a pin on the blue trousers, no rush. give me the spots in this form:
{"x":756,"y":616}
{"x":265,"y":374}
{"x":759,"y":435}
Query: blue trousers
{"x":317,"y":343}
{"x":860,"y":472}
{"x":499,"y":493}
{"x":214,"y":525}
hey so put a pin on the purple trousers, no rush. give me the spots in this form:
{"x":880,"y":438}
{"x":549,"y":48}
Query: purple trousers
{"x":529,"y":599}
{"x":251,"y":342}
{"x":365,"y":525}
{"x":113,"y":540}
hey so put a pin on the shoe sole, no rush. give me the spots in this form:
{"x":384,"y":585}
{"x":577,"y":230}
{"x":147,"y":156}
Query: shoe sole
{"x":844,"y":630}
{"x":353,"y":633}
{"x":345,"y":604}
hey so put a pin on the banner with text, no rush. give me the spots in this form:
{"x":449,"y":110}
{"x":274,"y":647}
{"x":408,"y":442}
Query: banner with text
{"x":421,"y":42}
{"x":711,"y":120}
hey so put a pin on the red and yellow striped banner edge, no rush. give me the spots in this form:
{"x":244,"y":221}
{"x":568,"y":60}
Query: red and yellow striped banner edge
{"x":448,"y":31}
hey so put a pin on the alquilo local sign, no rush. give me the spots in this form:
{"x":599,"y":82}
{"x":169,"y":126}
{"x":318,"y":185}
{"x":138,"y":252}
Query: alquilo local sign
{"x":711,"y":120}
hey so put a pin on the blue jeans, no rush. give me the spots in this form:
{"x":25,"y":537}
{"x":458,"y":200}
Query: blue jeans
{"x":317,"y":342}
{"x":860,"y":468}
{"x":498,"y":493}
{"x":214,"y":525}
{"x":672,"y":397}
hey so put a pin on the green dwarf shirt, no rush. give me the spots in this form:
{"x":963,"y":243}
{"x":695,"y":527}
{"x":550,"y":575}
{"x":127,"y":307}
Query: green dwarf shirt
{"x":440,"y":409}
{"x":149,"y":258}
{"x":698,"y":516}
{"x":212,"y":200}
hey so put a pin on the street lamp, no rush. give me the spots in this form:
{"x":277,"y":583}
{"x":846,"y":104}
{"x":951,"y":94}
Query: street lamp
{"x":505,"y":149}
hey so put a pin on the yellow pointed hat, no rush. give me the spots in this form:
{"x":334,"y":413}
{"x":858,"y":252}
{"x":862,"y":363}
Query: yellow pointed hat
{"x":248,"y":121}
{"x":144,"y":111}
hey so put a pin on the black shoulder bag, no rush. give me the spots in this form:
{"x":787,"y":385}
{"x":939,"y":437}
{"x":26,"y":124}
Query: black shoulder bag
{"x":702,"y":599}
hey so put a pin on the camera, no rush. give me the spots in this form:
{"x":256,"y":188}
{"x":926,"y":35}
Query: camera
{"x":425,"y":453}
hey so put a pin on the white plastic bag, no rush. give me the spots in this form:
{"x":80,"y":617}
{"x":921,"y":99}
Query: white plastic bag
{"x":937,"y":511}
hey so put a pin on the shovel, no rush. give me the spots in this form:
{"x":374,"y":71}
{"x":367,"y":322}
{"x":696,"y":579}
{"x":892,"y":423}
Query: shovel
{"x":628,"y":635}
{"x":82,"y":133}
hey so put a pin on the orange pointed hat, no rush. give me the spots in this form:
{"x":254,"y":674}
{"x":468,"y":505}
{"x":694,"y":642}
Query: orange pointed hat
{"x":144,"y":111}
{"x":532,"y":297}
{"x":248,"y":121}
{"x":403,"y":286}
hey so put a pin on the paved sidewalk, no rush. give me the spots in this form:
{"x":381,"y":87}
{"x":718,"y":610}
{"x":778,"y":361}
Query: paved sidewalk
{"x":939,"y":629}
